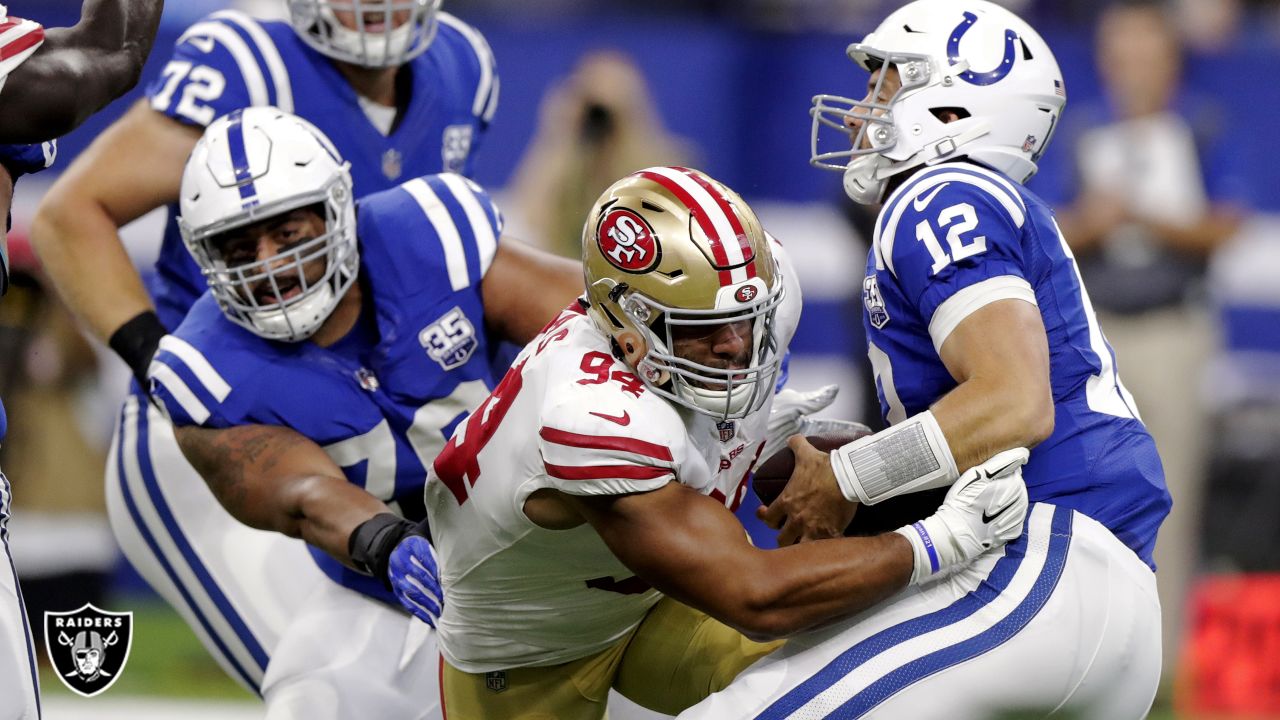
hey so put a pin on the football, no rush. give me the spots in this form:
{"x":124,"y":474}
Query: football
{"x":772,"y":474}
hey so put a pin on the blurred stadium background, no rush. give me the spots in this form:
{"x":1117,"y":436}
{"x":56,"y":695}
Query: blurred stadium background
{"x":724,"y":85}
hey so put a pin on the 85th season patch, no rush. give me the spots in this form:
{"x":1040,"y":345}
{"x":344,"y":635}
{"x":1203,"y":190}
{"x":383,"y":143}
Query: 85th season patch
{"x":88,"y":647}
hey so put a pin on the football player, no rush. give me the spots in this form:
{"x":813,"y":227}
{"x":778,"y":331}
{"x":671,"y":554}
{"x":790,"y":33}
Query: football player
{"x":982,"y":338}
{"x":324,"y":369}
{"x":403,"y":90}
{"x":50,"y":82}
{"x":583,"y":512}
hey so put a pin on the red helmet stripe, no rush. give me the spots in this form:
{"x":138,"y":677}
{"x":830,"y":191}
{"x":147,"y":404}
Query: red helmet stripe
{"x":705,"y":210}
{"x":734,"y":221}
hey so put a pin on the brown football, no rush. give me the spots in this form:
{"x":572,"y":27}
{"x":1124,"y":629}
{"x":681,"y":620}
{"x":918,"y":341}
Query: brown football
{"x":772,"y":474}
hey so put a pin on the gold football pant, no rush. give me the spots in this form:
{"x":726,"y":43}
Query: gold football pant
{"x":676,"y":657}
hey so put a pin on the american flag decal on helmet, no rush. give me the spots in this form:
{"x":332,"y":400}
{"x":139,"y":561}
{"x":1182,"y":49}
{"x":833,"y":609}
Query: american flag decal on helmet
{"x":718,"y":219}
{"x":1058,"y":89}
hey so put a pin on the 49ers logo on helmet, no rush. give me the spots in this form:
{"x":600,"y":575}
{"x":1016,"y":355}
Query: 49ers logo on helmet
{"x":627,"y":241}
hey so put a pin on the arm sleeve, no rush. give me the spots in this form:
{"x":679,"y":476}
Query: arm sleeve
{"x":452,"y":226}
{"x":586,"y":454}
{"x":189,"y":389}
{"x":472,"y":44}
{"x":18,"y":39}
{"x":478,"y":79}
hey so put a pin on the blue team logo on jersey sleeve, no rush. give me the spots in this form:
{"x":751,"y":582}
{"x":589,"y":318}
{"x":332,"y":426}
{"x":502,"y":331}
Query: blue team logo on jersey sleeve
{"x":874,"y":303}
{"x":450,"y":340}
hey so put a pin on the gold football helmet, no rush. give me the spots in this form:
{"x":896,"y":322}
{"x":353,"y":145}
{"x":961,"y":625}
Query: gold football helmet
{"x":668,"y":248}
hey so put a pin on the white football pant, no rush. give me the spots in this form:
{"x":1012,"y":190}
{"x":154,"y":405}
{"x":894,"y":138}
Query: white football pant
{"x":19,"y":685}
{"x":1064,"y":619}
{"x":256,"y":599}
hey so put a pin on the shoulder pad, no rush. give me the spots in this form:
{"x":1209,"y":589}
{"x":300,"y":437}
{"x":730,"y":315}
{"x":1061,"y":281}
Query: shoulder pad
{"x":596,"y":440}
{"x":459,"y":236}
{"x":224,"y":62}
{"x":460,"y":34}
{"x":933,"y":191}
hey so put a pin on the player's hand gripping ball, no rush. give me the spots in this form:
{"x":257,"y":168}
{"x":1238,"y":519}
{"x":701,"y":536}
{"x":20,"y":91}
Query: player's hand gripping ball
{"x":772,"y":474}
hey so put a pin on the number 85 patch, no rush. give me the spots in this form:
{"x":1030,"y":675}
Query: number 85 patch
{"x":450,"y":340}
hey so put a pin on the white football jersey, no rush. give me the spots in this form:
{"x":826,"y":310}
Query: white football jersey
{"x":567,"y":416}
{"x":18,"y":39}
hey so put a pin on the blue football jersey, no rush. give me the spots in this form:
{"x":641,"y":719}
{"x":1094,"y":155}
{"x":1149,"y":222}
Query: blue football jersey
{"x":229,"y":61}
{"x":957,"y":236}
{"x":382,"y":401}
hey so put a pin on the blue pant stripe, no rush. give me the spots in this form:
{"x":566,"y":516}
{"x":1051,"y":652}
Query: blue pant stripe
{"x":162,"y":508}
{"x":238,"y":624}
{"x":849,"y":660}
{"x":988,"y":640}
{"x":22,"y":606}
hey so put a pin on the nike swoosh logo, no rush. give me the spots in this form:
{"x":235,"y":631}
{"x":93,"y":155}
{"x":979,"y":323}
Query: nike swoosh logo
{"x":986,"y":519}
{"x":624,"y":419}
{"x":921,"y":203}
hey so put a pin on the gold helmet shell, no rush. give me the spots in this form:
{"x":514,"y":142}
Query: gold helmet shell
{"x":670,"y":246}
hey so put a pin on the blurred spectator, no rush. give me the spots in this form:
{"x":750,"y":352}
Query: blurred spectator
{"x":1209,"y":25}
{"x":595,"y":126}
{"x":47,"y":373}
{"x":1151,"y":208}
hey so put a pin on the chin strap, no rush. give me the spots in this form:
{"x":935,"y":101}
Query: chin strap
{"x":947,"y":147}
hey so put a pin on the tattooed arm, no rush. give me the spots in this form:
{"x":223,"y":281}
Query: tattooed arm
{"x":273,"y":478}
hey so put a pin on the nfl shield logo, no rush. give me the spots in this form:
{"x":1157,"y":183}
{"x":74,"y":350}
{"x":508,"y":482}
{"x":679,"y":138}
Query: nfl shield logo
{"x":392,"y":164}
{"x":727,"y":430}
{"x":88,"y":647}
{"x":496,"y":680}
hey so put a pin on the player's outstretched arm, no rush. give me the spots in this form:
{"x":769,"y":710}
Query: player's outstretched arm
{"x":78,"y":70}
{"x":525,"y":288}
{"x":692,"y":548}
{"x":273,"y":478}
{"x":131,"y":169}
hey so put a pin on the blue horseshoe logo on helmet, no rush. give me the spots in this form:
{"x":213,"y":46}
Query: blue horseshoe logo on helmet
{"x":981,"y":78}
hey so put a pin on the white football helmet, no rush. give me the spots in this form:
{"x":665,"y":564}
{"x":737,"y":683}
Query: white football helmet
{"x":669,"y":247}
{"x":252,"y":165}
{"x":377,"y":39}
{"x":971,"y":57}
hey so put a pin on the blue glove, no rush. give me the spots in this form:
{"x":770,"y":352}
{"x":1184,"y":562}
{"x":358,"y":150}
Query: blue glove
{"x":415,"y":578}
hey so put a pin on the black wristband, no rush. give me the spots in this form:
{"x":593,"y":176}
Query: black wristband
{"x":372,"y":541}
{"x":136,"y":342}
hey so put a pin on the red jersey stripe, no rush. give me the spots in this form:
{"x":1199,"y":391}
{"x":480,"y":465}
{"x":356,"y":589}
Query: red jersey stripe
{"x":606,"y":442}
{"x":606,"y":472}
{"x":22,"y":44}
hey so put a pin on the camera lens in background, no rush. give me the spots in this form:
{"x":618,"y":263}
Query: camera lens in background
{"x":597,"y":123}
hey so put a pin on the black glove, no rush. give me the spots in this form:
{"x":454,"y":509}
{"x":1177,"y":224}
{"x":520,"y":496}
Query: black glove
{"x":136,"y":342}
{"x":372,"y":541}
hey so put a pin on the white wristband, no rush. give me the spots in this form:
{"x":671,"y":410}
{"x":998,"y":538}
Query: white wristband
{"x":908,"y":457}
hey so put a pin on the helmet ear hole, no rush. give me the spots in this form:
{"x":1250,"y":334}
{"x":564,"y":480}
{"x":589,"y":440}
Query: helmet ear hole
{"x":949,"y":114}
